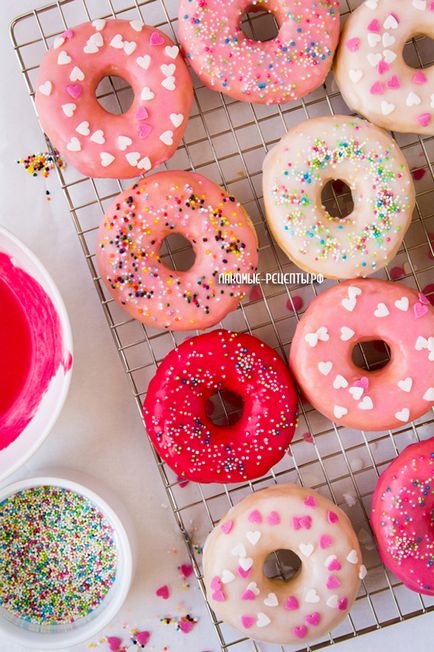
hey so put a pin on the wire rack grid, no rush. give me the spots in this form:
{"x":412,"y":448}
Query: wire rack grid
{"x":227,"y":140}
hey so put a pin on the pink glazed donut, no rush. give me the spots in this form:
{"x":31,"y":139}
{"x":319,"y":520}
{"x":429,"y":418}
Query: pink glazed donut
{"x":96,"y":142}
{"x":360,"y":311}
{"x":402,"y":517}
{"x":286,"y":68}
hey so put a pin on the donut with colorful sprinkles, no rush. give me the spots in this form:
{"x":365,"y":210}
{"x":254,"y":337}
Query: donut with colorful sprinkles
{"x":370,"y":69}
{"x":99,"y":143}
{"x":280,"y":70}
{"x":131,"y":235}
{"x":312,"y":602}
{"x":402,"y":516}
{"x":369,"y":161}
{"x":175,"y":408}
{"x":358,"y":311}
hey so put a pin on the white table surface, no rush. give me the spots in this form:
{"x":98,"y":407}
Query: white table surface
{"x":99,"y":432}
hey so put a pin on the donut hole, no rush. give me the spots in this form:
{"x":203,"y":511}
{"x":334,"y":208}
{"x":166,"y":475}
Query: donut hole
{"x":114,"y":94}
{"x":224,"y":408}
{"x":177,"y":253}
{"x":418,"y":52}
{"x":282,"y":564}
{"x":371,"y":355}
{"x":337,"y":199}
{"x":258,"y":24}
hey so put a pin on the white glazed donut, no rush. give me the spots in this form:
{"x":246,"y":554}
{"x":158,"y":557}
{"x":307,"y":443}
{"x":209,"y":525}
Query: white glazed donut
{"x":371,"y":164}
{"x":312,"y":602}
{"x":371,"y":72}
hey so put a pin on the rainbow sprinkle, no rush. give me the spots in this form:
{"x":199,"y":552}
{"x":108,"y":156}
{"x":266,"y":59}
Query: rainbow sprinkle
{"x":42,"y":163}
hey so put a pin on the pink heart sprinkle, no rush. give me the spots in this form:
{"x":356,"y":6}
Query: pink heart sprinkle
{"x":142,"y":113}
{"x":431,"y":7}
{"x":325,"y":541}
{"x":419,"y":78}
{"x":69,"y":33}
{"x":255,"y":293}
{"x":313,"y":619}
{"x":142,"y":638}
{"x":377,"y":88}
{"x":163,"y":592}
{"x":185,"y":626}
{"x":393,"y":82}
{"x":374,"y":26}
{"x":333,"y":582}
{"x":114,"y":643}
{"x":306,"y":522}
{"x":296,"y":303}
{"x":397,"y":272}
{"x":243,"y":573}
{"x":219,"y":596}
{"x":308,"y":437}
{"x":247,"y":621}
{"x":423,"y":299}
{"x":296,"y":523}
{"x":343,"y":604}
{"x":300,"y":631}
{"x":74,"y":90}
{"x":156,"y":39}
{"x":334,"y":565}
{"x":144,"y":130}
{"x":310,"y":501}
{"x":424,"y":119}
{"x":383,"y":67}
{"x":226,"y":527}
{"x":273,"y":518}
{"x":216,"y":583}
{"x":419,"y":310}
{"x":248,"y":595}
{"x":332,"y":517}
{"x":292,"y":603}
{"x":353,"y":44}
{"x":186,"y":570}
{"x":255,"y":517}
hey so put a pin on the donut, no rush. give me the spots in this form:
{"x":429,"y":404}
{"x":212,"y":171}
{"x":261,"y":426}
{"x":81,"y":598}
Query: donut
{"x":96,"y":142}
{"x":286,"y":68}
{"x":175,"y":408}
{"x":370,"y":69}
{"x":360,"y":311}
{"x":367,"y":159}
{"x":402,"y":517}
{"x":133,"y":230}
{"x":312,"y":602}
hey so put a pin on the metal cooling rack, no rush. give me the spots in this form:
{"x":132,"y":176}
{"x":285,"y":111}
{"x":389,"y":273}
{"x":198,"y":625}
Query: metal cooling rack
{"x":227,"y":141}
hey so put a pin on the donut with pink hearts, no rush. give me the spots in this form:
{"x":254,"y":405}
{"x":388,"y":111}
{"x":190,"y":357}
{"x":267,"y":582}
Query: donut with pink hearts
{"x":357,"y":311}
{"x":311,"y":603}
{"x":402,"y":516}
{"x":96,"y":142}
{"x":282,"y":69}
{"x":370,"y":69}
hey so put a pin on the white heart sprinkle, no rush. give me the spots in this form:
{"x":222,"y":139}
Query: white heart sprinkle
{"x":311,"y":339}
{"x":83,"y":128}
{"x":74,"y":145}
{"x":306,"y":549}
{"x":346,"y":333}
{"x":406,"y":384}
{"x":354,"y":292}
{"x":144,"y":61}
{"x":339,"y":411}
{"x":93,"y":44}
{"x":99,"y":24}
{"x":311,"y":596}
{"x":329,"y":560}
{"x":413,"y":99}
{"x":389,"y":56}
{"x":387,"y":107}
{"x":429,"y":394}
{"x":58,"y":42}
{"x":253,"y":587}
{"x":124,"y":142}
{"x":253,"y":536}
{"x":76,"y":74}
{"x":355,"y":75}
{"x":356,"y":392}
{"x":403,"y":415}
{"x":246,"y":563}
{"x":97,"y":39}
{"x":421,"y":343}
{"x":340,"y":382}
{"x":366,"y":403}
{"x":171,"y":51}
{"x":239,"y":551}
{"x":167,"y":137}
{"x":117,"y":42}
{"x":372,"y":4}
{"x":325,"y":367}
{"x":147,"y":94}
{"x":63,"y":58}
{"x":46,"y":88}
{"x":353,"y":557}
{"x":388,"y":39}
{"x":98,"y":137}
{"x":263,"y":620}
{"x":402,"y":304}
{"x":322,"y":333}
{"x":333,"y":601}
{"x":168,"y":69}
{"x":373,"y":39}
{"x":169,"y":83}
{"x":68,"y":109}
{"x":129,"y":47}
{"x":381,"y":310}
{"x":271,"y":600}
{"x":227,"y":577}
{"x":106,"y":159}
{"x":363,"y":571}
{"x":176,"y":119}
{"x":144,"y":163}
{"x":133,"y":158}
{"x":137,"y":25}
{"x":390,"y":22}
{"x":349,"y":304}
{"x":374,"y":59}
{"x":419,"y":4}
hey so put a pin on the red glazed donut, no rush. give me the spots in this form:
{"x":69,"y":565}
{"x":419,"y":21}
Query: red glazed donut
{"x":403,"y":517}
{"x":175,"y":408}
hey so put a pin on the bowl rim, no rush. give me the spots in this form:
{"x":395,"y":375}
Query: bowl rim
{"x":60,"y":307}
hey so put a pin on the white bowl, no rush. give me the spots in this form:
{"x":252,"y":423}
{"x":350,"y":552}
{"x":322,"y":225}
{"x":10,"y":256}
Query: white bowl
{"x":69,"y":635}
{"x":19,"y":451}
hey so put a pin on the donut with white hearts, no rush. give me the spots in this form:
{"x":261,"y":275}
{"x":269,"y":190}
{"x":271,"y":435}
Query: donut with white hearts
{"x":371,"y":72}
{"x":96,"y":142}
{"x":354,"y":312}
{"x":312,"y":602}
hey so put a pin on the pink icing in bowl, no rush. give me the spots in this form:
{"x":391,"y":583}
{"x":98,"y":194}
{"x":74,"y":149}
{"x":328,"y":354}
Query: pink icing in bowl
{"x":35,"y":353}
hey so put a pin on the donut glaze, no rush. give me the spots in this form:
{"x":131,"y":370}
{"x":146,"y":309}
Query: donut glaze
{"x":359,"y":311}
{"x":133,"y":230}
{"x":402,"y":517}
{"x":96,"y":142}
{"x":312,"y":602}
{"x":371,"y":164}
{"x":175,"y":408}
{"x":286,"y":68}
{"x":371,"y":72}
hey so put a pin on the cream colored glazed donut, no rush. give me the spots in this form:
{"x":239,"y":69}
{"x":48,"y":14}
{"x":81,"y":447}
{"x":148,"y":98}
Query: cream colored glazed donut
{"x":96,"y":142}
{"x":370,"y":69}
{"x":372,"y":165}
{"x":311,"y":603}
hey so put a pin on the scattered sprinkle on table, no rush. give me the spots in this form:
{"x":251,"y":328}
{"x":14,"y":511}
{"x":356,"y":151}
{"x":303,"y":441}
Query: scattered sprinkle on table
{"x":42,"y":163}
